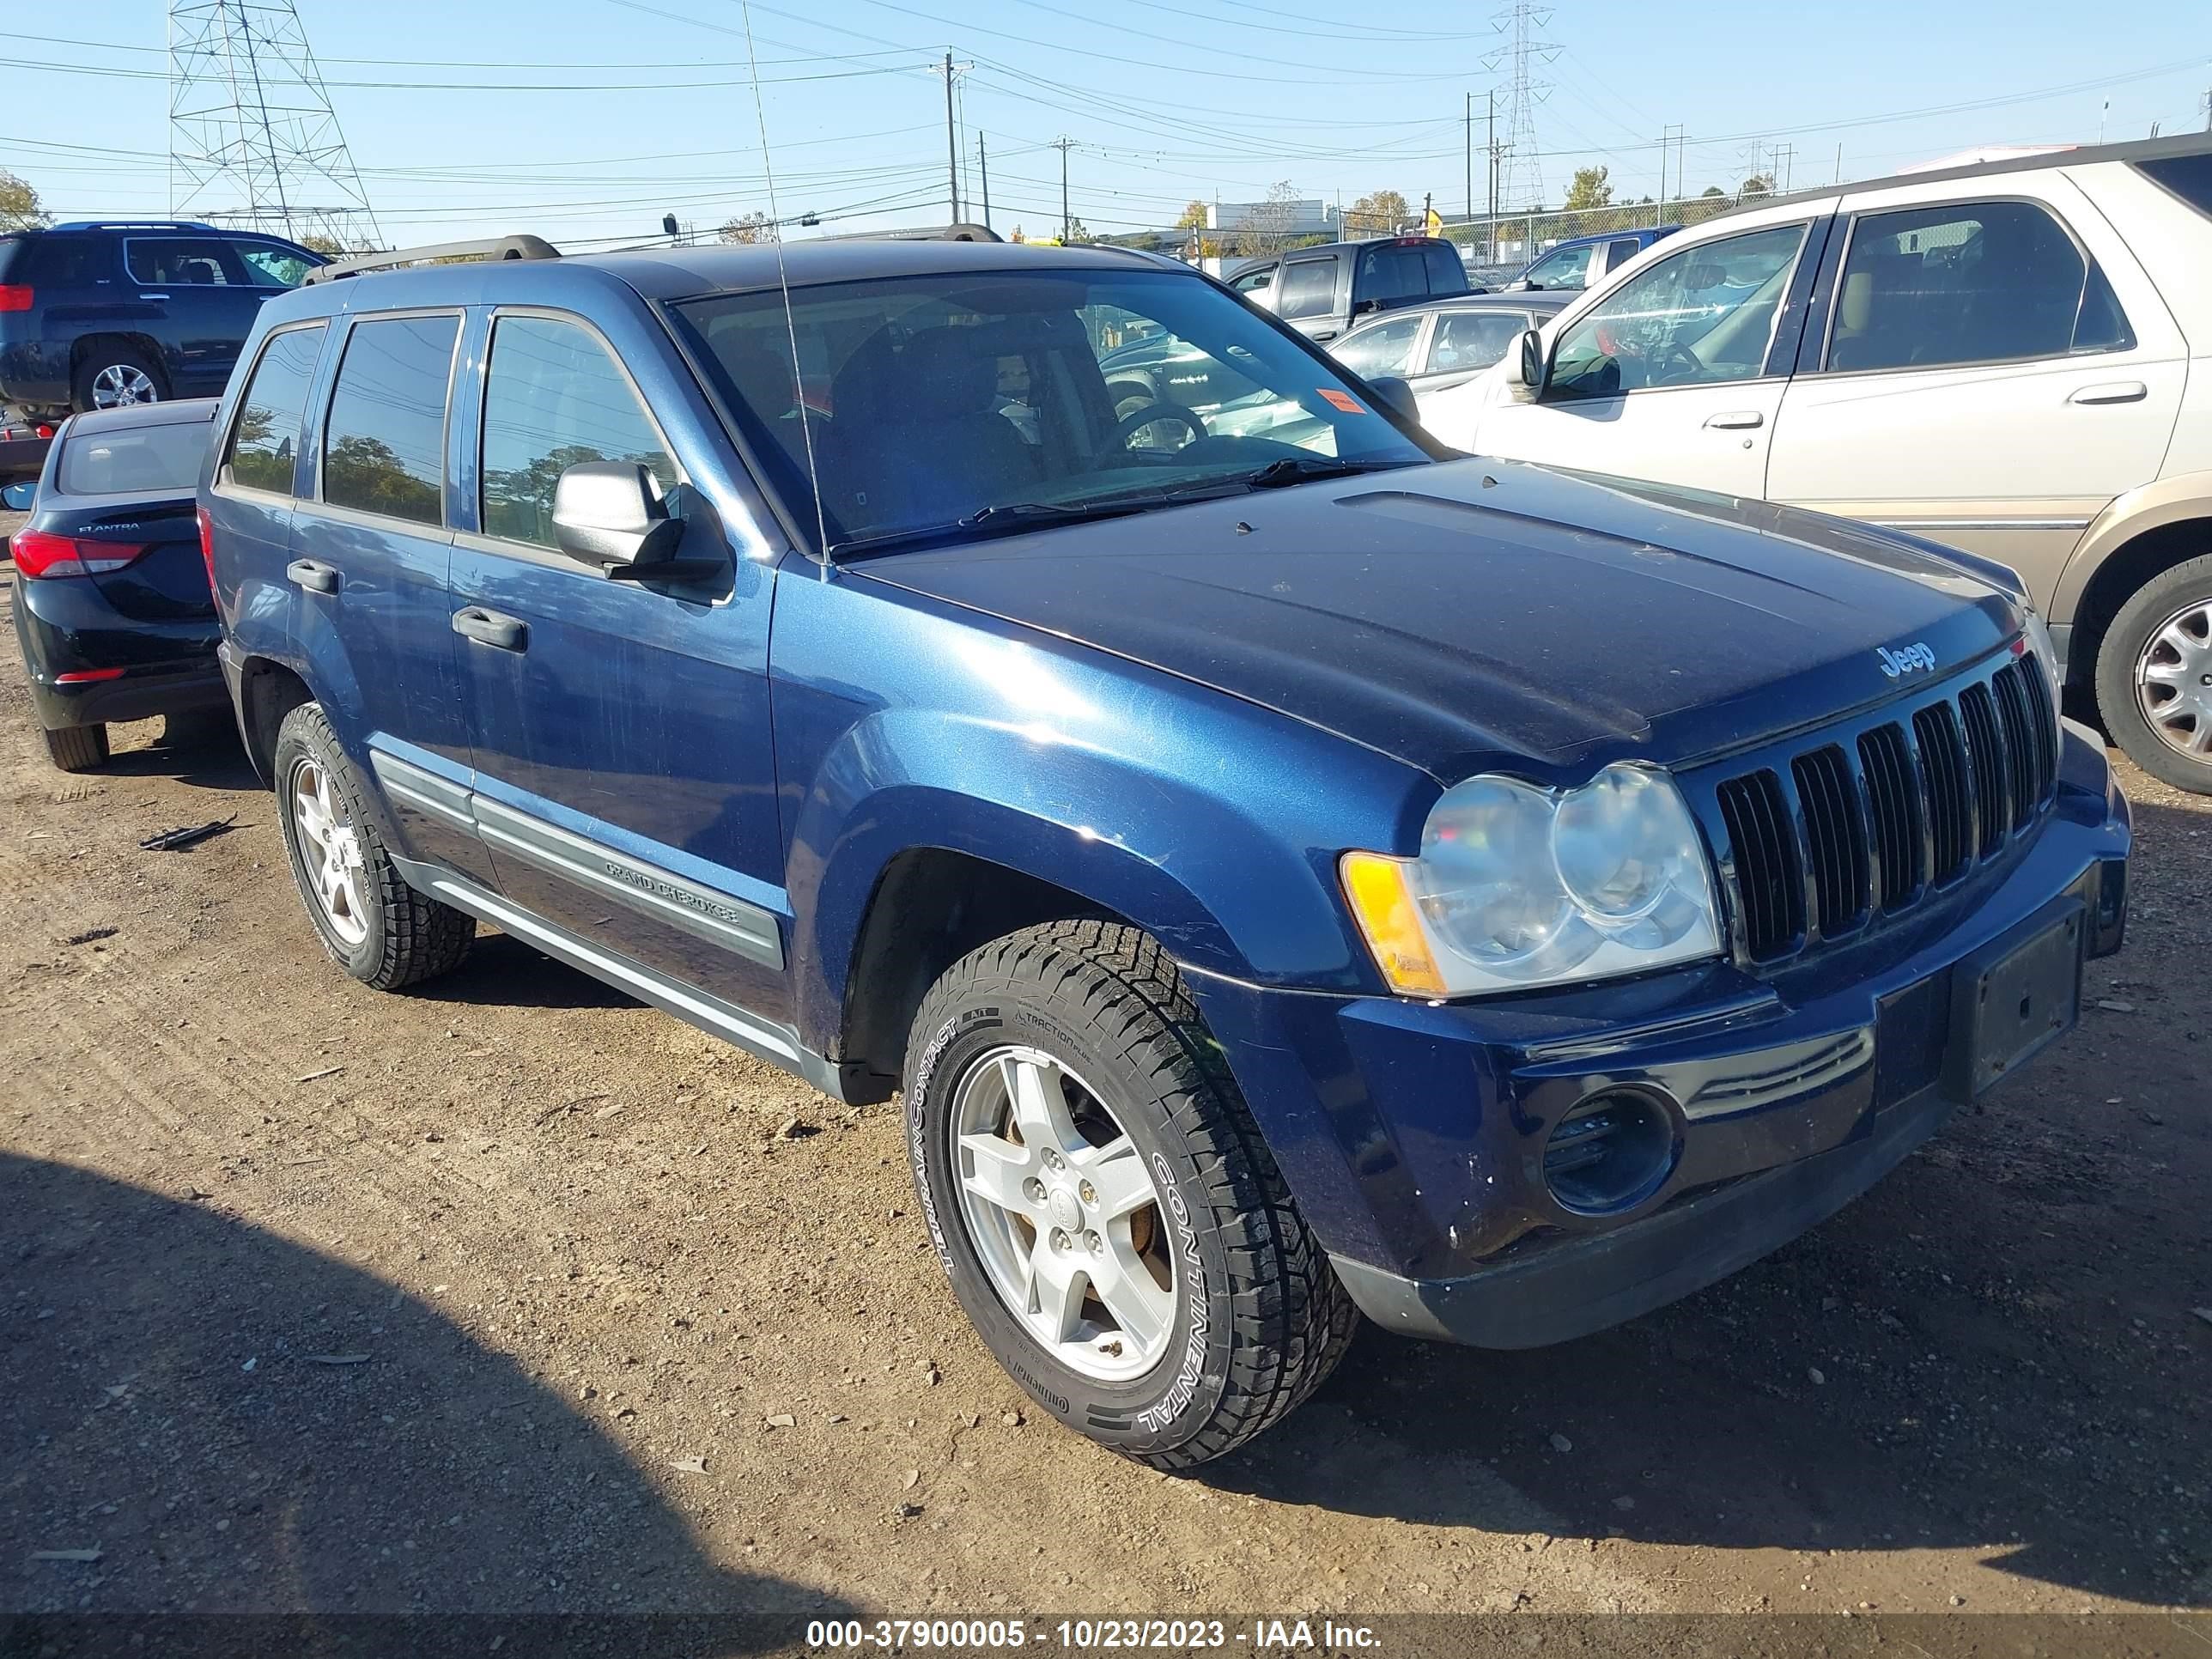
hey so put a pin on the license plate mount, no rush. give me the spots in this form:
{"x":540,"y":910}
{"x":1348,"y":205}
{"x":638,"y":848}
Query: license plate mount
{"x":2014,"y":998}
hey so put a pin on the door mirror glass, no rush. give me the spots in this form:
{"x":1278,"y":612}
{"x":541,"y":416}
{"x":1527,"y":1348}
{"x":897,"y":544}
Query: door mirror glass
{"x":18,"y":496}
{"x":1394,"y":395}
{"x":611,"y":513}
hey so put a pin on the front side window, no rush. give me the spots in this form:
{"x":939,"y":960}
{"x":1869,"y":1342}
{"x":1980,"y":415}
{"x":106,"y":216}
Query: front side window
{"x":265,"y":442}
{"x":931,"y":398}
{"x":1563,"y":268}
{"x":136,"y":460}
{"x":1382,"y":348}
{"x":271,"y":265}
{"x":553,"y":398}
{"x":1701,"y":316}
{"x":179,"y":262}
{"x":1972,"y":282}
{"x":1309,"y":289}
{"x":384,"y":451}
{"x":1468,"y":340}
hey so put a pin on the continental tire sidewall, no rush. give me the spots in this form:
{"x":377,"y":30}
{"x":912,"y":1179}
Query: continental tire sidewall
{"x":1175,"y":1400}
{"x":305,"y":735}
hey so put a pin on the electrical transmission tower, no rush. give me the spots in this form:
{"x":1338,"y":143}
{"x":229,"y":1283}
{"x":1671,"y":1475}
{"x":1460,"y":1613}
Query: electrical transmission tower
{"x":254,"y":141}
{"x":1520,"y":168}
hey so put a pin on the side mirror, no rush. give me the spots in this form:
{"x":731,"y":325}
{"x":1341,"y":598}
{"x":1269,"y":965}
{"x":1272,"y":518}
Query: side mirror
{"x":611,"y":514}
{"x":1527,"y":370}
{"x":19,"y":496}
{"x":1361,"y":307}
{"x":1396,"y":394}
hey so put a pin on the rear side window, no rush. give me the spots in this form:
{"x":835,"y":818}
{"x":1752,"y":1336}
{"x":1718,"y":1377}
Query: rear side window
{"x":552,"y":398}
{"x":164,"y":459}
{"x":2189,"y":177}
{"x":384,"y":450}
{"x":1619,"y":254}
{"x":1309,"y":289}
{"x":56,"y":262}
{"x":273,"y":410}
{"x":1968,"y":282}
{"x":1381,"y":348}
{"x":180,"y":261}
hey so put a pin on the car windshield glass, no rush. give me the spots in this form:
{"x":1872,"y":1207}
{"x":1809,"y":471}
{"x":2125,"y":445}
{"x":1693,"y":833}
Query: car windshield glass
{"x":162,"y":459}
{"x":929,"y":399}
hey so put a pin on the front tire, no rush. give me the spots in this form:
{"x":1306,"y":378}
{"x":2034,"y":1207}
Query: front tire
{"x":1111,"y":1220}
{"x":375,"y":925}
{"x":77,"y":748}
{"x":2154,"y":677}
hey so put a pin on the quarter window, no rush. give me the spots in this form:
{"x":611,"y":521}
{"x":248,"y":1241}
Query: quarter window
{"x":1972,"y":283}
{"x":179,"y":262}
{"x":1255,"y":281}
{"x":385,"y":448}
{"x":1309,"y":289}
{"x":1384,"y":349}
{"x":265,"y":444}
{"x":554,"y":398}
{"x":1700,"y":316}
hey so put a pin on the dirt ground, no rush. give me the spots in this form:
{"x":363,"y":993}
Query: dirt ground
{"x":508,"y":1295}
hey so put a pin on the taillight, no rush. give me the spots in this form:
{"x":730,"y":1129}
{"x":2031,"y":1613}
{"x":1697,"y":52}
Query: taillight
{"x":15,"y":296}
{"x":41,"y":553}
{"x":43,"y":431}
{"x":207,"y":548}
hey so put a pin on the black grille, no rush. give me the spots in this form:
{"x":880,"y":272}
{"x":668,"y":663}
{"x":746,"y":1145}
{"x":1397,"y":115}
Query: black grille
{"x":1893,"y":807}
{"x":1818,"y":845}
{"x":1770,"y":892}
{"x":1836,"y":835}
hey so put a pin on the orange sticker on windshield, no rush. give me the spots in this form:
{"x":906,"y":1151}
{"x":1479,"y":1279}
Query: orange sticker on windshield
{"x":1341,"y":400}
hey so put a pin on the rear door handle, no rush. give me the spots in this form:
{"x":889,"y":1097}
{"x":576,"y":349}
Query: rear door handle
{"x":2112,"y":391}
{"x":1738,"y":420}
{"x":152,"y":296}
{"x":313,"y":575}
{"x":490,"y":627}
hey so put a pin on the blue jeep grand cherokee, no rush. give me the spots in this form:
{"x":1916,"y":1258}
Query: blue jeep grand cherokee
{"x":1285,"y":881}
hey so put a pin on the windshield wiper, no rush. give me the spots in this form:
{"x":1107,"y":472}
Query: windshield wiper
{"x":1001,"y":518}
{"x":1304,"y":469}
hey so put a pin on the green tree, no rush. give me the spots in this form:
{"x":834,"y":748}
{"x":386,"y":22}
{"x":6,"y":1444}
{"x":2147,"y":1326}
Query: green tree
{"x":19,"y":204}
{"x":322,"y":243}
{"x":1377,"y":213}
{"x":1592,"y":188}
{"x":752,"y":228}
{"x":1760,"y":184}
{"x":1077,"y":232}
{"x":1713,"y":190}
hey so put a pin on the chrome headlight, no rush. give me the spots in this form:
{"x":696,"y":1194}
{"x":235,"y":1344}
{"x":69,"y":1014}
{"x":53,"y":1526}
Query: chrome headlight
{"x":1517,"y":886}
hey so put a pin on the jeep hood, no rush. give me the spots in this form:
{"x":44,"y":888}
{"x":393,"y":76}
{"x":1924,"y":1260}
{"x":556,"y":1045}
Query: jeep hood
{"x":1478,"y":613}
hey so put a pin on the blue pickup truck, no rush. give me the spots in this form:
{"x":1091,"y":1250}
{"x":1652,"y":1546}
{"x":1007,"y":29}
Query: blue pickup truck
{"x":1280,"y":880}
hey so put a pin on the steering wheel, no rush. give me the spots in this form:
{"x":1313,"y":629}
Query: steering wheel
{"x":1144,"y":415}
{"x":1671,"y":355}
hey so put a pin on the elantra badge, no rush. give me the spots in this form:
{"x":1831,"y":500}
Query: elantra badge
{"x":1914,"y":658}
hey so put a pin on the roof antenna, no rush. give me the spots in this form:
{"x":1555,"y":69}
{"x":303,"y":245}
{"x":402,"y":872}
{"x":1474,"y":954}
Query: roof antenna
{"x":783,"y":282}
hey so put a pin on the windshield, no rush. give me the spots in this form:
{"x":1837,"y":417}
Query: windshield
{"x":931,"y":399}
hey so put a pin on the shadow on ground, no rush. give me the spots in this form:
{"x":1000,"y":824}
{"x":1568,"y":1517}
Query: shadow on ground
{"x":237,"y":1423}
{"x":2009,"y":1358}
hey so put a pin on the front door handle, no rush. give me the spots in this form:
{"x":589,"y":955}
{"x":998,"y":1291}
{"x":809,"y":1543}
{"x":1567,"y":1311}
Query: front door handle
{"x":313,"y":575}
{"x":1736,"y":420}
{"x":2112,"y":391}
{"x":490,"y":627}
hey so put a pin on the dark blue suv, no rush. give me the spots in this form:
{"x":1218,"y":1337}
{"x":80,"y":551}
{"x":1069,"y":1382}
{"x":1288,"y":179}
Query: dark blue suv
{"x":1283,"y":880}
{"x":101,"y":315}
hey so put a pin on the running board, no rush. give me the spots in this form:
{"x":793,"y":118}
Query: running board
{"x":775,"y":1042}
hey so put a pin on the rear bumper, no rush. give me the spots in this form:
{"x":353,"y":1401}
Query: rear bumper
{"x":1414,"y":1136}
{"x":65,"y":627}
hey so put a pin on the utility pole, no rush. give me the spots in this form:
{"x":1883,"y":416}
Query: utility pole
{"x":1470,"y":158}
{"x":1491,"y":235}
{"x":951,"y":152}
{"x":1064,"y":144}
{"x":983,"y":166}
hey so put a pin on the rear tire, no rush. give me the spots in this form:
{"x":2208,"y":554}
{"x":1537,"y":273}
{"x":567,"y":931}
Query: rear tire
{"x":1251,"y":1318}
{"x":77,"y":748}
{"x":2154,"y":677}
{"x":116,"y":377}
{"x":375,"y":925}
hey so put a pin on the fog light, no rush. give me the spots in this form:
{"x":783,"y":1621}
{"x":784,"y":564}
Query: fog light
{"x":1611,"y":1151}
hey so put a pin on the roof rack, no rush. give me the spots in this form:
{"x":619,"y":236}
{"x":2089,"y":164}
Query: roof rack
{"x":961,"y":233}
{"x":137,"y":224}
{"x":489,"y":248}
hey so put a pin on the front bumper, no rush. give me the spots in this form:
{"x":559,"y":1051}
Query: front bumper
{"x":1414,"y":1135}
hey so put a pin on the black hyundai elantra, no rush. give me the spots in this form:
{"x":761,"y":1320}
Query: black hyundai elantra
{"x":111,"y":598}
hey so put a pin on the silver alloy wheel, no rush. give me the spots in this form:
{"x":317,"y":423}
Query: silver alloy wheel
{"x":2173,"y":680}
{"x":120,"y":386}
{"x":1064,"y":1218}
{"x":330,"y":851}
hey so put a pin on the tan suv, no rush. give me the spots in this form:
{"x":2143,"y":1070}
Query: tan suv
{"x":2013,"y":358}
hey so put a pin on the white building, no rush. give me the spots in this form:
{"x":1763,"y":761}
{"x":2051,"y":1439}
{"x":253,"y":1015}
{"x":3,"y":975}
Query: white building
{"x":1306,"y":216}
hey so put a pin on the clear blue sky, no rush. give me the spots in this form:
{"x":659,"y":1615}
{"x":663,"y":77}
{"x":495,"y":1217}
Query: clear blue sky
{"x":1167,"y":99}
